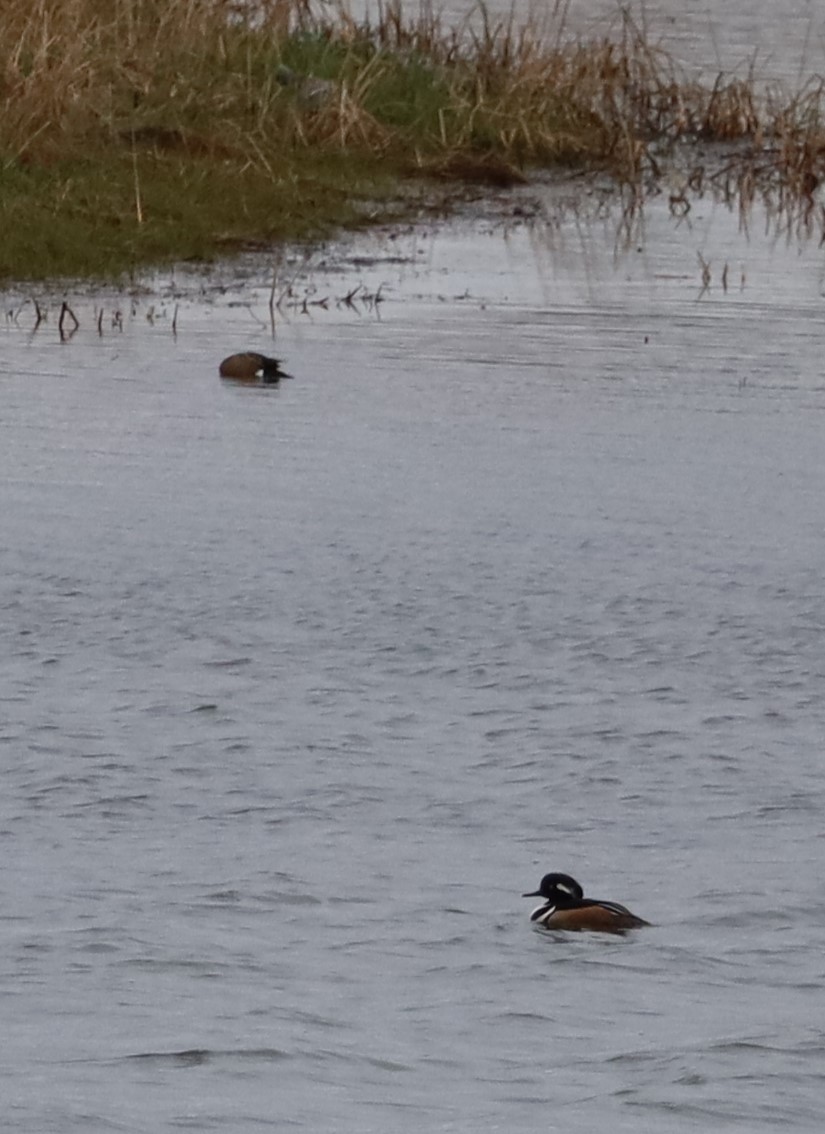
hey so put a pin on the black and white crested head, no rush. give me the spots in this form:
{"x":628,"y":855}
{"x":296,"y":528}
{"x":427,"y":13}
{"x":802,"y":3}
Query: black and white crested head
{"x":555,"y":886}
{"x":563,"y":882}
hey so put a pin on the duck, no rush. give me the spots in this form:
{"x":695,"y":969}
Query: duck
{"x":249,"y":366}
{"x":565,"y":907}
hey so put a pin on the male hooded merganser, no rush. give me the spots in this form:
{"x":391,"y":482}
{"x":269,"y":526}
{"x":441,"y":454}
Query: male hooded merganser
{"x":566,"y":907}
{"x":249,"y":366}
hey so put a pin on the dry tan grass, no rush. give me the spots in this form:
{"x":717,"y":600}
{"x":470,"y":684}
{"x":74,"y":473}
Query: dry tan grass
{"x":77,"y":72}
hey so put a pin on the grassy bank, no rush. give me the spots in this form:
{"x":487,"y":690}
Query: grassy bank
{"x":141,"y":131}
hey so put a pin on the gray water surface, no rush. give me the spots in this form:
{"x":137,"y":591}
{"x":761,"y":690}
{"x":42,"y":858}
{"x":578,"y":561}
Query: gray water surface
{"x":303,"y":687}
{"x":775,"y":42}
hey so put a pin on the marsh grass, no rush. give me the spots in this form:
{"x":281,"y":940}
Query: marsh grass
{"x":137,"y":131}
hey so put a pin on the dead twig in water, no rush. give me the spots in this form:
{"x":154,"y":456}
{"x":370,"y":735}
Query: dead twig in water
{"x":706,"y":276}
{"x":66,"y":312}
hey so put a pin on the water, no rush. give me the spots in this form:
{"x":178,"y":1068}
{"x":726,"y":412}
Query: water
{"x":779,"y":42}
{"x":302,"y":688}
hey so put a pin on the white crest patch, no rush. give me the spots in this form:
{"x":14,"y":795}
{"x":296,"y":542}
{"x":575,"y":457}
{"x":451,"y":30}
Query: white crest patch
{"x":565,"y":888}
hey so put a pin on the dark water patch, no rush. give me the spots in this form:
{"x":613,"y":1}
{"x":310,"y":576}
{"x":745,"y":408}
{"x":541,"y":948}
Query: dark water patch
{"x":197,"y":1057}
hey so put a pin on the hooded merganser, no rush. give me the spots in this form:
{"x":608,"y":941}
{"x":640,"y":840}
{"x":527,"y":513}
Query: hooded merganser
{"x":566,"y":907}
{"x":249,"y":366}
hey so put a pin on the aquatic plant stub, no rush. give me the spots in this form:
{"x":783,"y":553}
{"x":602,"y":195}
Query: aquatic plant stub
{"x":249,"y":366}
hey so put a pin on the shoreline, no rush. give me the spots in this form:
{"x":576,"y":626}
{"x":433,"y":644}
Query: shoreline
{"x":186,"y":131}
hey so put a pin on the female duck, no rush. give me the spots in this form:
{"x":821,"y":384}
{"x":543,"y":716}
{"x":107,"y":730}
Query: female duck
{"x":565,"y":907}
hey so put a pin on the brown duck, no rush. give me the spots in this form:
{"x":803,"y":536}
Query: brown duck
{"x":249,"y":366}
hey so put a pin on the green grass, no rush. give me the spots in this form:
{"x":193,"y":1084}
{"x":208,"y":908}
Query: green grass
{"x":91,"y":217}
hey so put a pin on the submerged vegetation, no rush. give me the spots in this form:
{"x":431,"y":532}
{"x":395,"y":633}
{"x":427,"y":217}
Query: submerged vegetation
{"x":139,"y":131}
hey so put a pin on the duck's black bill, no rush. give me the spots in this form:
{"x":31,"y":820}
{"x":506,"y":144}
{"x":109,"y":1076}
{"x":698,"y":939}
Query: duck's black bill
{"x":533,"y":894}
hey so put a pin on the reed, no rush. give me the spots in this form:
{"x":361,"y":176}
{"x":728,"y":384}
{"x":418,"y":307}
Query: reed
{"x":134,"y":131}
